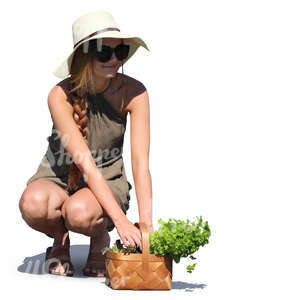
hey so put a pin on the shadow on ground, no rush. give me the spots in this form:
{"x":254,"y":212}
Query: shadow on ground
{"x":36,"y":265}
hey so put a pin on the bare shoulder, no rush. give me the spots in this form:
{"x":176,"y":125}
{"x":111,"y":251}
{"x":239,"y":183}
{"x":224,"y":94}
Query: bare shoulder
{"x":64,"y":86}
{"x":136,"y":90}
{"x":59,"y":93}
{"x":60,"y":88}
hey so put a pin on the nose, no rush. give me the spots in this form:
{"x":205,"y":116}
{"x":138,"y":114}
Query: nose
{"x":114,"y":58}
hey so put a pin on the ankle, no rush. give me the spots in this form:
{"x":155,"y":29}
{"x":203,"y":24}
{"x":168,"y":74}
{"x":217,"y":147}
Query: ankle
{"x":61,"y":239}
{"x":100,"y":238}
{"x":99,"y":243}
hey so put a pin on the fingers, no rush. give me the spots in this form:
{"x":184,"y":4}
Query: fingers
{"x":131,"y":236}
{"x":133,"y":240}
{"x":129,"y":241}
{"x":138,"y":241}
{"x":138,"y":238}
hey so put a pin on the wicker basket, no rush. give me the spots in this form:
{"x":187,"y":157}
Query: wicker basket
{"x":138,"y":271}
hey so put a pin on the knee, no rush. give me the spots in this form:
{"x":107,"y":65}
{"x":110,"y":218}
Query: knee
{"x":33,"y":204}
{"x":78,"y":215}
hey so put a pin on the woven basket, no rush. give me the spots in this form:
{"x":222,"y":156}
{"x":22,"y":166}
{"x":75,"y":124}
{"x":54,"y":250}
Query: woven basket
{"x":138,"y":271}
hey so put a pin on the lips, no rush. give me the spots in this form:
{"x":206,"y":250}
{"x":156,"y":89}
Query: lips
{"x":113,"y":66}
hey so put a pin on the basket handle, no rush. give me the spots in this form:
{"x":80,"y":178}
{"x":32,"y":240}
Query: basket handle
{"x":145,"y":239}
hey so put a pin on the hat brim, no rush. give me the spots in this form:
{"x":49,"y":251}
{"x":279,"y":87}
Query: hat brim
{"x":63,"y":70}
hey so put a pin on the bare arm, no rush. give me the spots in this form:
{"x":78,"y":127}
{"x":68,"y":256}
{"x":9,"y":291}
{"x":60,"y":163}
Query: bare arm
{"x":140,"y":145}
{"x":62,"y":115}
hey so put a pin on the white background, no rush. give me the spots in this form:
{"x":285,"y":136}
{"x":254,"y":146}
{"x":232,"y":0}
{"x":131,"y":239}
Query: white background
{"x":223,"y":80}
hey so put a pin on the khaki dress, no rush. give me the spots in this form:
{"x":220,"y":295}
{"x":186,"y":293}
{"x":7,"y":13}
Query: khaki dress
{"x":106,"y":129}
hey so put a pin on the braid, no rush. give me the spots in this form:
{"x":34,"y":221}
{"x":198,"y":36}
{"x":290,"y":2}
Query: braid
{"x":80,"y":107}
{"x":76,"y":87}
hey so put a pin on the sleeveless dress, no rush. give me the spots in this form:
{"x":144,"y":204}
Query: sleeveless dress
{"x":106,"y":129}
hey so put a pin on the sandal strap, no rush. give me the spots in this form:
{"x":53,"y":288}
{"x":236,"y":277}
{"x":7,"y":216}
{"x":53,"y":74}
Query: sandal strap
{"x":58,"y":253}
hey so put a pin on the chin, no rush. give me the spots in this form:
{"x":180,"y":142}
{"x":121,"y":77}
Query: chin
{"x":111,"y":73}
{"x":106,"y":75}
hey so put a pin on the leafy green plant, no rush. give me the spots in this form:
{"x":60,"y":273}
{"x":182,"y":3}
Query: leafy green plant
{"x":177,"y":238}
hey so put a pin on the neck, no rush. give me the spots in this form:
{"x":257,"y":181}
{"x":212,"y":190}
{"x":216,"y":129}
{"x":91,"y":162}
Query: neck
{"x":102,"y":84}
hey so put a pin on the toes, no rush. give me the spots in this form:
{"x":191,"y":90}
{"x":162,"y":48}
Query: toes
{"x":98,"y":272}
{"x":56,"y":269}
{"x":101,"y":273}
{"x":93,"y":271}
{"x":62,"y":264}
{"x":89,"y":271}
{"x":60,"y":269}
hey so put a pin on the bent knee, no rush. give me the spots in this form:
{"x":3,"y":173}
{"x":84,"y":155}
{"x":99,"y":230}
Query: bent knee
{"x":34,"y":204}
{"x":78,"y":214}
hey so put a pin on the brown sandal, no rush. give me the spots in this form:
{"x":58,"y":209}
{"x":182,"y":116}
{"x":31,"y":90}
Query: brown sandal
{"x":94,"y":274}
{"x":63,"y":258}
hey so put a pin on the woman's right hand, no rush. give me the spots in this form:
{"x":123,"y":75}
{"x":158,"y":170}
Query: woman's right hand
{"x":129,"y":233}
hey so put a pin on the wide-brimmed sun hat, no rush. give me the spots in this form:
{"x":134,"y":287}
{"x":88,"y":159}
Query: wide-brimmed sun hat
{"x":96,"y":25}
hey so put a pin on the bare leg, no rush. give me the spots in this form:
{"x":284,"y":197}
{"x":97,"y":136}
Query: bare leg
{"x":40,"y":206}
{"x":83,"y":214}
{"x":95,"y":265}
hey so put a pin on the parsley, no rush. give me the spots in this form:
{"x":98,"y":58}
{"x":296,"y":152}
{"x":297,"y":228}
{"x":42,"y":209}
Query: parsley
{"x":175,"y":237}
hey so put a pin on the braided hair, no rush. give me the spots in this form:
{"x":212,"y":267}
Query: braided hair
{"x":78,"y":85}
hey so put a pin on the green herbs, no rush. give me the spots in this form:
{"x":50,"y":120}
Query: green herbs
{"x":175,"y":237}
{"x":179,"y":239}
{"x":118,"y":247}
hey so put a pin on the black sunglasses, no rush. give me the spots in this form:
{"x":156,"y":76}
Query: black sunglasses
{"x":121,"y":52}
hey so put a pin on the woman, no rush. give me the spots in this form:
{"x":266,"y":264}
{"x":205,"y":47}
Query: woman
{"x":81,"y":184}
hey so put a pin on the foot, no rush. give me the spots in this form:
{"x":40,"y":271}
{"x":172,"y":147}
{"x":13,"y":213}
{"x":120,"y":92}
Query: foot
{"x":60,"y":254}
{"x":95,"y":265}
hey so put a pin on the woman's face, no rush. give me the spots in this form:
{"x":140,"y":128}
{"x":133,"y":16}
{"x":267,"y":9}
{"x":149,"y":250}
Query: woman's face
{"x":110,"y":68}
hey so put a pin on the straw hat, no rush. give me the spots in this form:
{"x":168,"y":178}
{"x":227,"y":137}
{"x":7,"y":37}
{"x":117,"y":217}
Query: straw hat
{"x":96,"y":25}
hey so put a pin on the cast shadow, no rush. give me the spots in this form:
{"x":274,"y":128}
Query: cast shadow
{"x":79,"y":253}
{"x":36,"y":264}
{"x":189,"y":287}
